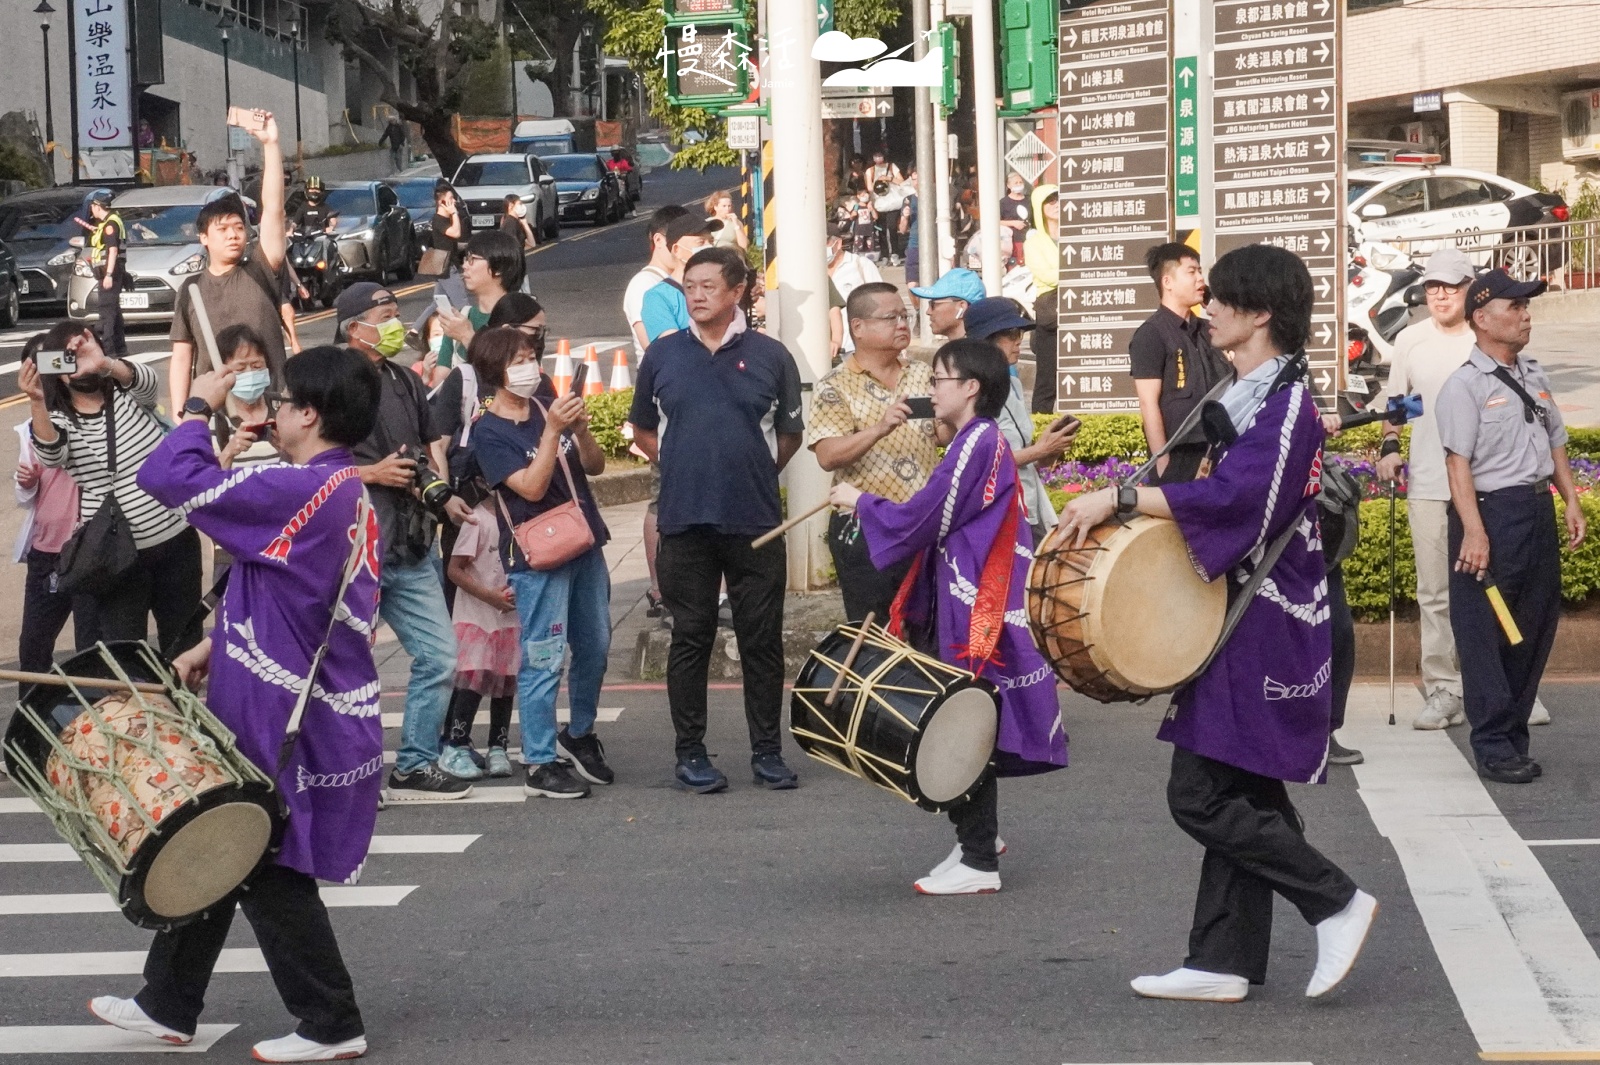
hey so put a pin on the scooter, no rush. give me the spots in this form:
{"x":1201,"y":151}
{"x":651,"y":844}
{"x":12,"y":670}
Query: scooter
{"x":1382,"y":288}
{"x":315,"y":258}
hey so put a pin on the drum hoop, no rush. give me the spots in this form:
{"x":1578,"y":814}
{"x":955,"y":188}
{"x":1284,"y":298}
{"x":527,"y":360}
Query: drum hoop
{"x":961,"y":684}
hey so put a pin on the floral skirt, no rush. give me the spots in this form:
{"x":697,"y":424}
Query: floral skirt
{"x":487,"y":662}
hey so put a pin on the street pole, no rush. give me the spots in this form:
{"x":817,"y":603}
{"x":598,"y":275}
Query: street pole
{"x":227,"y":102}
{"x":927,"y":237}
{"x":44,"y":11}
{"x":294,"y":49}
{"x":984,"y":108}
{"x":802,"y":296}
{"x":945,"y":245}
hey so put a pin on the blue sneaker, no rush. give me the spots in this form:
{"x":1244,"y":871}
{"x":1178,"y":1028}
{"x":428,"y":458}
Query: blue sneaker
{"x":499,"y":764}
{"x":698,"y":774}
{"x":772,"y":774}
{"x":458,"y":763}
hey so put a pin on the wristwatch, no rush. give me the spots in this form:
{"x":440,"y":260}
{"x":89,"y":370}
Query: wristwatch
{"x":1127,"y":499}
{"x":196,"y":405}
{"x":1390,"y":446}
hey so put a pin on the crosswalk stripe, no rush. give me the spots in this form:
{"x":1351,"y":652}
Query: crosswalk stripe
{"x":424,"y":844}
{"x":18,"y":806}
{"x":100,"y":1039}
{"x":1526,"y":977}
{"x":99,"y":902}
{"x":395,"y":718}
{"x":1562,"y":842}
{"x":116,"y":963}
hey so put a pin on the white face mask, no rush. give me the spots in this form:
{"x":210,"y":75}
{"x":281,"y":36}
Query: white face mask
{"x":523,"y":378}
{"x":519,"y":210}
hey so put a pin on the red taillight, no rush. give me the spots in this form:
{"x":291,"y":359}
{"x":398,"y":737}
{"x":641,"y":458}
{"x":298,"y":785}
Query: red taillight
{"x":1359,"y":260}
{"x":1561,"y":212}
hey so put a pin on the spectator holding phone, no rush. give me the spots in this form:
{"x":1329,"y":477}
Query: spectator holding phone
{"x":76,"y":420}
{"x":493,"y":266}
{"x":240,"y":431}
{"x":863,"y":432}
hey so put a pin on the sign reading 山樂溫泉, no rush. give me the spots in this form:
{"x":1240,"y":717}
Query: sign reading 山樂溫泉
{"x":98,"y":32}
{"x":1115,"y":135}
{"x":1278,"y":150}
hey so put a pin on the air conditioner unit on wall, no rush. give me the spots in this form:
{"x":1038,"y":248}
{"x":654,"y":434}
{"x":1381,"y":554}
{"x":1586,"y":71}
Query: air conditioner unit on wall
{"x":1580,"y":125}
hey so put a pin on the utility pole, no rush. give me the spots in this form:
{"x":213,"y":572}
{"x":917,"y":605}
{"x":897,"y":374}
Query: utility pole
{"x":990,"y":187}
{"x":945,"y":246}
{"x":802,"y":296}
{"x":927,"y":206}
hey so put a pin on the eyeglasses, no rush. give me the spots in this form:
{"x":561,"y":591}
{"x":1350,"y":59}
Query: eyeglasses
{"x":935,"y":378}
{"x":280,"y":399}
{"x":1441,"y":286}
{"x":473,"y":257}
{"x":902,"y":317}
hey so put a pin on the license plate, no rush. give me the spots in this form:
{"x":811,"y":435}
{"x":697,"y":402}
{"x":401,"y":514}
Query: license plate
{"x":22,"y":288}
{"x":482,"y":221}
{"x":135,"y":301}
{"x":1356,"y":383}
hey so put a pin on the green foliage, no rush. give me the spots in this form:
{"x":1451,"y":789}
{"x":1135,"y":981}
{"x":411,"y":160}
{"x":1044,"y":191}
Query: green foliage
{"x":1583,"y":443}
{"x":1580,"y":569}
{"x":18,"y":165}
{"x":1364,"y":441}
{"x":865,"y":18}
{"x":486,"y":83}
{"x":607,"y":413}
{"x":1102,"y":436}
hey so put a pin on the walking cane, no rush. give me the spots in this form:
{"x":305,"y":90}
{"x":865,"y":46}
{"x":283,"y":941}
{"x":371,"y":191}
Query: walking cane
{"x":1391,"y":600}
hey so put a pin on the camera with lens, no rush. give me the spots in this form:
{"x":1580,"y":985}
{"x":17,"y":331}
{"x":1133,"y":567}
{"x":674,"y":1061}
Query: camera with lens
{"x":434,"y":490}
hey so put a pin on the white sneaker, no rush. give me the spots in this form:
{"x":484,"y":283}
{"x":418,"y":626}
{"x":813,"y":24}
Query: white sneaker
{"x":299,"y":1048}
{"x":1540,"y":714}
{"x":125,"y":1013}
{"x":960,"y":879}
{"x":953,"y":859}
{"x":1442,"y":710}
{"x":1193,"y":985}
{"x":1339,"y":940}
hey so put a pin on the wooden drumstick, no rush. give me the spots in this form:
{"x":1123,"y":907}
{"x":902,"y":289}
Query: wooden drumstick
{"x":766,"y":538}
{"x":849,"y":659}
{"x":108,"y":683}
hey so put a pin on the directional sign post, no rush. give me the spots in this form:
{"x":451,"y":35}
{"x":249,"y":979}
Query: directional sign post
{"x":1278,"y":151}
{"x":1115,"y":126}
{"x":858,"y":107}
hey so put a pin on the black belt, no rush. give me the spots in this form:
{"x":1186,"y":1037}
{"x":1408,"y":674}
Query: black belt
{"x":1539,"y":487}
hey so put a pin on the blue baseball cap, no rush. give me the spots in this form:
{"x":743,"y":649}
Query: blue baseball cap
{"x":994,"y":315}
{"x":958,"y":284}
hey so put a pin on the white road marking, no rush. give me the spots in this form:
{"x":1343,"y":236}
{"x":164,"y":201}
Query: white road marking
{"x":116,"y":963}
{"x":99,"y":902}
{"x":1526,"y":977}
{"x":396,"y":718}
{"x":37,"y":852}
{"x":61,"y":852}
{"x":18,"y":806}
{"x":100,"y":1039}
{"x":1563,"y":842}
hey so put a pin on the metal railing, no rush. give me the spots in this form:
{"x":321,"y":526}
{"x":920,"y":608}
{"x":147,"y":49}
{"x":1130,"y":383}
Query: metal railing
{"x":271,"y":17}
{"x":1566,"y":254}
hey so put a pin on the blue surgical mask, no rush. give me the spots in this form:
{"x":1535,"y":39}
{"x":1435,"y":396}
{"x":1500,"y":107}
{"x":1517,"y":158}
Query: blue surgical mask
{"x":250,"y":385}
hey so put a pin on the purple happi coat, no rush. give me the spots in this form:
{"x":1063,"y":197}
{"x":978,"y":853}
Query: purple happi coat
{"x":291,"y":530}
{"x":1263,"y":704}
{"x":952,"y":522}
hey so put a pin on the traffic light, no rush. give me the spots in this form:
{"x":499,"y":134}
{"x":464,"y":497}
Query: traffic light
{"x":705,"y":52}
{"x":1028,"y":34}
{"x":950,"y":48}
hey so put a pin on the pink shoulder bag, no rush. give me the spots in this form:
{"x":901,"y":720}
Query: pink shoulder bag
{"x":560,"y":534}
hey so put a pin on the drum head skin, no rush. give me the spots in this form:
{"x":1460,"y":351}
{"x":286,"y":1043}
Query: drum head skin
{"x":956,"y":745}
{"x":207,"y":859}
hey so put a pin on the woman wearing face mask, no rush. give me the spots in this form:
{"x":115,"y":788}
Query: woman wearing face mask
{"x":72,"y":418}
{"x":538,"y":455}
{"x":239,"y":430}
{"x":515,"y":223}
{"x":1016,"y":216}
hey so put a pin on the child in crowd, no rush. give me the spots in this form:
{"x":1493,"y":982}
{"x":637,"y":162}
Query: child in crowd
{"x":865,"y":221}
{"x":488,"y":652}
{"x":430,"y":339}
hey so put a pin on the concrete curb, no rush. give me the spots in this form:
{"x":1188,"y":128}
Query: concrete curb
{"x":621,"y":488}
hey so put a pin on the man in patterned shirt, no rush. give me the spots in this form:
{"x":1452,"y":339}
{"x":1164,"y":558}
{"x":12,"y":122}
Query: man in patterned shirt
{"x":863,"y":432}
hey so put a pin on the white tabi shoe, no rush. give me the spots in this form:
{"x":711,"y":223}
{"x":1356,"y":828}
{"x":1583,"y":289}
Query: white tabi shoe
{"x":298,"y":1048}
{"x":1193,"y":985}
{"x":1540,"y":715}
{"x":960,"y":879}
{"x":125,"y":1013}
{"x":953,"y":859}
{"x":1339,"y":940}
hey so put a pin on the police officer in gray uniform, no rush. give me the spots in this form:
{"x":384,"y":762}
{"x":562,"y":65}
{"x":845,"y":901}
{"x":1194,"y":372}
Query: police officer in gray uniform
{"x":1504,"y":444}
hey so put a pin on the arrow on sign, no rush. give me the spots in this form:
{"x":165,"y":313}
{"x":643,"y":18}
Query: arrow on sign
{"x":1068,"y":339}
{"x":1325,"y":381}
{"x":1323,"y":99}
{"x":1069,"y":253}
{"x":1068,"y":297}
{"x":1325,"y":334}
{"x":1323,"y":241}
{"x":1072,"y":81}
{"x":1186,"y":76}
{"x":1069,"y":209}
{"x":1324,"y":146}
{"x":1070,"y":166}
{"x":1072,"y":38}
{"x":885,"y":107}
{"x":1324,"y":287}
{"x":1323,"y":192}
{"x":1323,"y":52}
{"x":1072,"y":123}
{"x":1323,"y":8}
{"x":1066,"y":384}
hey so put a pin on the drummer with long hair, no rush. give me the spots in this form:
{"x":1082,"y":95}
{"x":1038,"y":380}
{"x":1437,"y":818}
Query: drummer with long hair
{"x":967,"y":539}
{"x":1257,"y":715}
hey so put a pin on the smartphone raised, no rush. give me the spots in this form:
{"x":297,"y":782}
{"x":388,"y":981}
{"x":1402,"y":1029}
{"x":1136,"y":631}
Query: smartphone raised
{"x":1065,"y":422}
{"x":441,"y":303}
{"x":921,"y":406}
{"x":579,"y":376}
{"x":56,"y":363}
{"x":245,"y":118}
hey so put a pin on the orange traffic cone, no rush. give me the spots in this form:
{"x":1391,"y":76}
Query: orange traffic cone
{"x":592,"y":385}
{"x":620,"y":378}
{"x":562,"y":378}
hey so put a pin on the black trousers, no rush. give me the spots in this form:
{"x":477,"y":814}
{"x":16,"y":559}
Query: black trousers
{"x":44,"y":614}
{"x":164,"y":581}
{"x":1183,"y":465}
{"x":866,"y":588}
{"x":692,"y":566}
{"x":1499,"y":682}
{"x":1255,"y":844}
{"x":977,"y":824}
{"x":113,"y":333}
{"x":1344,"y":647}
{"x":292,"y":927}
{"x":1044,"y":353}
{"x":464,"y":710}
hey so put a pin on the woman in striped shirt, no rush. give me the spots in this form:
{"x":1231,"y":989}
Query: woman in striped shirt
{"x":69,"y":432}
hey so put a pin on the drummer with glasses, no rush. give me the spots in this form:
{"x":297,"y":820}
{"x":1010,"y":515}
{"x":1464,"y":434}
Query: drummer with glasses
{"x":967,"y":541}
{"x":862,"y":430}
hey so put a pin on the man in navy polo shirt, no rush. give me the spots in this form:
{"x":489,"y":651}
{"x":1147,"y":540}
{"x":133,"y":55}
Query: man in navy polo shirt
{"x":731,"y":398}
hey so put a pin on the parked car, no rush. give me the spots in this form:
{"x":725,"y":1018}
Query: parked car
{"x":587,"y":190}
{"x":1419,"y":205}
{"x":10,"y":288}
{"x":416,"y":196}
{"x":163,"y":251}
{"x":375,"y":233}
{"x":484,"y":182}
{"x":38,"y":226}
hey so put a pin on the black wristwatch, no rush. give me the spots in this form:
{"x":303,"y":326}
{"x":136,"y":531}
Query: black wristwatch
{"x":1390,"y":446}
{"x":1127,"y":499}
{"x":196,"y":405}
